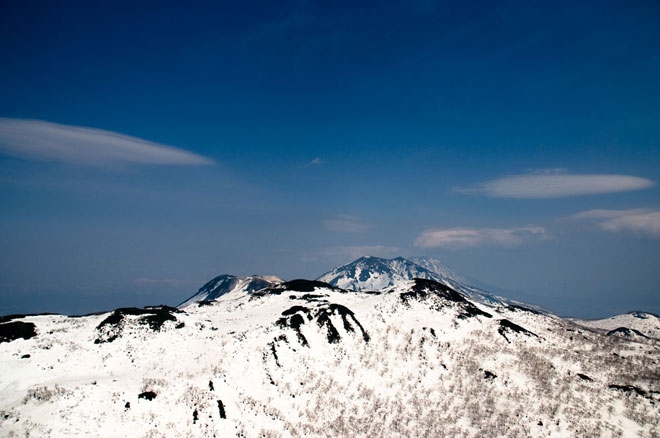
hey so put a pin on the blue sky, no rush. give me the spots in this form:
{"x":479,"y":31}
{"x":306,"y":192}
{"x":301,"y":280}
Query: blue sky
{"x":147,"y":148}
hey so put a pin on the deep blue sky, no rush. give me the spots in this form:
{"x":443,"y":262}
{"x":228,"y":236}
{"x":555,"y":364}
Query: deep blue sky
{"x":519,"y":142}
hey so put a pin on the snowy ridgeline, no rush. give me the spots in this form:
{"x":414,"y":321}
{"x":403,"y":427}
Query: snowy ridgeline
{"x":305,"y":359}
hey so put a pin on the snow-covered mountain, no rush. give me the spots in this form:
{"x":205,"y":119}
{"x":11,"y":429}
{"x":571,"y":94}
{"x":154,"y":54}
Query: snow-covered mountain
{"x":632,"y":325}
{"x":375,"y":273}
{"x":436,"y":266}
{"x":224,"y":284}
{"x":379,"y":274}
{"x":304,"y":358}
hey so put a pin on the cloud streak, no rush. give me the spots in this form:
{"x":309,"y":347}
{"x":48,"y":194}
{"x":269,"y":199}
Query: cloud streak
{"x":458,"y":238}
{"x":546,"y":185}
{"x":639,"y":220}
{"x":46,"y":141}
{"x":315,"y":162}
{"x":345,"y":223}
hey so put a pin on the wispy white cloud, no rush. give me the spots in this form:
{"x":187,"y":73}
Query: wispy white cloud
{"x":345,"y":223}
{"x":315,"y":162}
{"x":457,"y":238}
{"x":554,"y":183}
{"x":639,"y":220}
{"x":46,"y":141}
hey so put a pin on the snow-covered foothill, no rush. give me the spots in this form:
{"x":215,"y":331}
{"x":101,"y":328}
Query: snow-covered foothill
{"x":306,"y":358}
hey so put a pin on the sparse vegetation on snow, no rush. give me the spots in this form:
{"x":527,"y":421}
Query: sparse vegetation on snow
{"x":418,"y":359}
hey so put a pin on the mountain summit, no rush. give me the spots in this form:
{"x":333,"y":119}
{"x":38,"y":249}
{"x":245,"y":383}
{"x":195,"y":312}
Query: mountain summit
{"x":375,"y":273}
{"x":225,"y":284}
{"x":379,"y":274}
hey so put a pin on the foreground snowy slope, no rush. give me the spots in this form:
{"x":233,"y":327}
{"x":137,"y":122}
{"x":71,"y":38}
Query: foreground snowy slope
{"x":307,"y":359}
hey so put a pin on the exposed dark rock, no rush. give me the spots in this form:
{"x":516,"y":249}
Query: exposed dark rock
{"x":295,"y":309}
{"x":517,"y":308}
{"x":195,"y":416}
{"x":273,"y":351}
{"x":154,"y":316}
{"x":299,"y":285}
{"x":147,"y":395}
{"x":627,"y":332}
{"x":439,"y":295}
{"x":295,"y":317}
{"x":127,"y":406}
{"x":629,"y":388}
{"x":310,"y":297}
{"x":11,"y":331}
{"x":211,"y":385}
{"x":585,"y":377}
{"x":642,"y":315}
{"x":221,"y":410}
{"x":348,"y":319}
{"x":507,"y":326}
{"x":323,"y":321}
{"x":25,"y":356}
{"x":8,"y":318}
{"x":489,"y":376}
{"x":205,"y":303}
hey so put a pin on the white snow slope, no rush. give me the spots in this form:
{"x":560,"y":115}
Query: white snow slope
{"x":647,"y":324}
{"x":301,"y":359}
{"x":224,"y":284}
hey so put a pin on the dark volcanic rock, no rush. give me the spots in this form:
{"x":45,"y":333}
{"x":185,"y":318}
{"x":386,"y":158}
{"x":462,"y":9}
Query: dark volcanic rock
{"x":296,"y":316}
{"x":298,"y":285}
{"x":147,"y":395}
{"x":629,"y":388}
{"x":8,"y":318}
{"x":507,"y":326}
{"x":221,"y":410}
{"x":310,"y":297}
{"x":438,"y":296}
{"x":153,"y":316}
{"x":627,"y":333}
{"x":489,"y":375}
{"x":293,"y":318}
{"x":11,"y":331}
{"x":517,"y":308}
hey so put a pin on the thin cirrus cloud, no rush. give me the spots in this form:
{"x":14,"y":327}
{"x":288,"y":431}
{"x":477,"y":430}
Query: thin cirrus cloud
{"x":557,"y":184}
{"x":46,"y":141}
{"x":641,"y":221}
{"x":459,"y":238}
{"x":345,"y":223}
{"x":315,"y":162}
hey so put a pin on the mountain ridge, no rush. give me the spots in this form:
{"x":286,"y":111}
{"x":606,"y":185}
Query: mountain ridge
{"x":415,"y":359}
{"x":375,"y":273}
